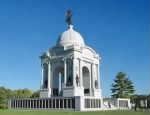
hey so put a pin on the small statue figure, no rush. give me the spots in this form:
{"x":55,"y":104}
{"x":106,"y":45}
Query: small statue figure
{"x":45,"y":85}
{"x":77,"y":80}
{"x":69,"y":81}
{"x":96,"y":84}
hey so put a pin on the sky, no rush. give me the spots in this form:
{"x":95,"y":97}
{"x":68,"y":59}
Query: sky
{"x":117,"y":29}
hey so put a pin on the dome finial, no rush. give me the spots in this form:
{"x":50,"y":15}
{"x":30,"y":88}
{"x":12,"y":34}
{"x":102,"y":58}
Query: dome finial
{"x":68,"y":15}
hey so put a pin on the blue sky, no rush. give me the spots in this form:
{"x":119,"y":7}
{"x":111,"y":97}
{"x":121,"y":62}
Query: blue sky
{"x":116,"y":29}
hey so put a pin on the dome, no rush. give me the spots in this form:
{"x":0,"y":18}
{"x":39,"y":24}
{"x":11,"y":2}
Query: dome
{"x":70,"y":37}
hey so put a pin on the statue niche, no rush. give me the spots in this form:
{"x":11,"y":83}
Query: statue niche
{"x":69,"y":72}
{"x":96,"y":84}
{"x":45,"y":85}
{"x":69,"y":81}
{"x":45,"y":76}
{"x":77,"y":80}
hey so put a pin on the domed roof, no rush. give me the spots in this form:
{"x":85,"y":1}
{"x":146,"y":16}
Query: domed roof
{"x":70,"y":37}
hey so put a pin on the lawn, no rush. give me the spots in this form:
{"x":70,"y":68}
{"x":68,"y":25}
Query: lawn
{"x":25,"y":112}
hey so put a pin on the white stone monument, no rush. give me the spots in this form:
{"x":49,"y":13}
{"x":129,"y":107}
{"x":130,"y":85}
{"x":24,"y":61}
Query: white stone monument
{"x":70,"y":68}
{"x":70,"y":79}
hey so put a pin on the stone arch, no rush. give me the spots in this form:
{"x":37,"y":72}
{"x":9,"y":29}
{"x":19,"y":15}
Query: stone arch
{"x":58,"y":81}
{"x":86,"y":80}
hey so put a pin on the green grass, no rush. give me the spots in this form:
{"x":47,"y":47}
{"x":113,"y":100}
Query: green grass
{"x":27,"y":112}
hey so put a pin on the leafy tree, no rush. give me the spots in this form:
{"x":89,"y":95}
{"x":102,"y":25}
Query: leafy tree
{"x":5,"y":94}
{"x":3,"y":98}
{"x":122,"y":86}
{"x":35,"y":94}
{"x":21,"y":93}
{"x":27,"y":93}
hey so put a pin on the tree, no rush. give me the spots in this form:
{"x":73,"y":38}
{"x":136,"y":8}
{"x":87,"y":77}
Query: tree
{"x":122,"y":86}
{"x":21,"y":93}
{"x":3,"y":97}
{"x":5,"y":94}
{"x":36,"y":94}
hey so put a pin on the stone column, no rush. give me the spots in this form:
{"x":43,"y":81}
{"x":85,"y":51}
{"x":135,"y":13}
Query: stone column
{"x":98,"y":76}
{"x":80,"y":72}
{"x":36,"y":103}
{"x":58,"y":103}
{"x":90,"y":81}
{"x":15,"y":104}
{"x":45,"y":103}
{"x":93,"y":74}
{"x":55,"y":103}
{"x":71,"y":103}
{"x":59,"y":90}
{"x":65,"y":75}
{"x":90,"y":103}
{"x":42,"y":72}
{"x":74,"y":72}
{"x":49,"y":76}
{"x":52,"y":103}
{"x":30,"y":104}
{"x":42,"y":104}
{"x":9,"y":104}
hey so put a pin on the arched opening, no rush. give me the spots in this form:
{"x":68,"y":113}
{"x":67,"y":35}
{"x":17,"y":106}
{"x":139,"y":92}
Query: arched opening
{"x":58,"y":81}
{"x":86,"y":81}
{"x":45,"y":76}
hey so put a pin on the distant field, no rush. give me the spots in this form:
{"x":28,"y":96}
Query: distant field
{"x":25,"y":112}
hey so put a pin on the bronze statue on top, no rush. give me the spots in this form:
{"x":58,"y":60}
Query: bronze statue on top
{"x":68,"y":15}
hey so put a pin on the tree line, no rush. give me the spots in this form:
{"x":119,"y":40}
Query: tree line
{"x":6,"y":93}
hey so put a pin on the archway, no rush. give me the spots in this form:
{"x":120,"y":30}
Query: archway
{"x":86,"y":81}
{"x":58,"y":81}
{"x":45,"y":76}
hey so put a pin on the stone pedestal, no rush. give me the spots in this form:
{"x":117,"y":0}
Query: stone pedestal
{"x":71,"y":91}
{"x":45,"y":93}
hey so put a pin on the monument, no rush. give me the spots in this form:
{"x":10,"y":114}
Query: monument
{"x":70,"y":77}
{"x":70,"y":68}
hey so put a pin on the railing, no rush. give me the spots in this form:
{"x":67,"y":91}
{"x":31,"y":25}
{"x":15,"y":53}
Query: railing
{"x":43,"y":103}
{"x":92,"y":103}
